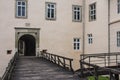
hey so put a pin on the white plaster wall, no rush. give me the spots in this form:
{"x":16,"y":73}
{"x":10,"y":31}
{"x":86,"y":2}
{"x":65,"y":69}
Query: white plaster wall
{"x":98,"y":28}
{"x":114,"y":26}
{"x":114,"y":29}
{"x":6,"y":33}
{"x":114,"y":16}
{"x":55,"y":36}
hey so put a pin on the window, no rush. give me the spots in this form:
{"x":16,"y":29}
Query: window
{"x":92,"y":12}
{"x":76,"y":43}
{"x":50,"y":11}
{"x":118,"y":38}
{"x":90,"y":38}
{"x":77,"y":13}
{"x":21,"y":8}
{"x":118,"y":6}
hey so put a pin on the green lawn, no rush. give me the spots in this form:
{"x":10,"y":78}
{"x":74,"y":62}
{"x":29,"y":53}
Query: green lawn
{"x":100,"y":78}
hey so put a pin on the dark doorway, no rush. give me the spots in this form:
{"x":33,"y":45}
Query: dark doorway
{"x":27,"y":45}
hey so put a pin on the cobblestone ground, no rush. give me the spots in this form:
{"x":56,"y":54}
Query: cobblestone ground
{"x":32,"y":68}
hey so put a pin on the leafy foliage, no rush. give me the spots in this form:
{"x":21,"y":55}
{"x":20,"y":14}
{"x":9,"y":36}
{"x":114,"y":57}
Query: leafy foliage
{"x":99,"y":78}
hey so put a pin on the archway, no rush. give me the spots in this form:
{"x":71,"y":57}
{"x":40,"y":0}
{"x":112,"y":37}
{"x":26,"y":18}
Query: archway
{"x":27,"y":45}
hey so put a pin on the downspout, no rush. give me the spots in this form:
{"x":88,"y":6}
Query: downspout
{"x":83,"y":18}
{"x":109,"y":32}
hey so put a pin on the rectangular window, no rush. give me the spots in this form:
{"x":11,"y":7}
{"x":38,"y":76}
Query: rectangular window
{"x":77,"y":13}
{"x":118,"y":38}
{"x":118,"y":6}
{"x":21,"y":8}
{"x":90,"y":38}
{"x":50,"y":11}
{"x":76,"y":43}
{"x":92,"y":12}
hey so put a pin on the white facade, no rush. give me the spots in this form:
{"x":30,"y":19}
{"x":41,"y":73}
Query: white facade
{"x":114,"y":26}
{"x":57,"y":36}
{"x":98,"y":28}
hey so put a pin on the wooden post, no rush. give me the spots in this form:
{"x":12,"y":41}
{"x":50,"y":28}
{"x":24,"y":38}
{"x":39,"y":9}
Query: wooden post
{"x":112,"y":77}
{"x":50,"y":57}
{"x":81,"y":65}
{"x":58,"y":60}
{"x":64,"y":63}
{"x":116,"y":60}
{"x":55,"y":58}
{"x":96,"y":73}
{"x":116,"y":76}
{"x":71,"y":65}
{"x":89,"y":61}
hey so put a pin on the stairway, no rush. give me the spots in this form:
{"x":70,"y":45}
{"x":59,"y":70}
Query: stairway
{"x":33,"y":68}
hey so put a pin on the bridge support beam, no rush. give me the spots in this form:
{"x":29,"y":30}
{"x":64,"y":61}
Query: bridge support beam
{"x":114,"y":76}
{"x":96,"y":73}
{"x":81,"y":65}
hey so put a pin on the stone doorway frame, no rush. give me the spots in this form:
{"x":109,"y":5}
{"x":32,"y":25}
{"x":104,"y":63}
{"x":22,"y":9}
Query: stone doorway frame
{"x":19,"y":32}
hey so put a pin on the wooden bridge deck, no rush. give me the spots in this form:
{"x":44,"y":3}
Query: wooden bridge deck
{"x":32,"y":68}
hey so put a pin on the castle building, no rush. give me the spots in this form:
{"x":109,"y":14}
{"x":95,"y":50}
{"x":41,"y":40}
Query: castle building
{"x":64,"y":27}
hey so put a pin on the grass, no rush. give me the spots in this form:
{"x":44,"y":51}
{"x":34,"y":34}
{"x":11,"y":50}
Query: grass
{"x":99,"y":78}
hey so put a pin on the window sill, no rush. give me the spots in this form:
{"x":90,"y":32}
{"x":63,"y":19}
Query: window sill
{"x":21,"y":17}
{"x":51,"y":19}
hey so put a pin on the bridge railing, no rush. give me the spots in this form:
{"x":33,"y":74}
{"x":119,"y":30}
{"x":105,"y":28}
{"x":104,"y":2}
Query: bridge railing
{"x":102,"y":59}
{"x":64,"y":62}
{"x":9,"y":69}
{"x":104,"y":62}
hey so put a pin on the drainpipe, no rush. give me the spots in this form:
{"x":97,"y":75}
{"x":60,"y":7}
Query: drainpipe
{"x":83,"y":18}
{"x":109,"y":32}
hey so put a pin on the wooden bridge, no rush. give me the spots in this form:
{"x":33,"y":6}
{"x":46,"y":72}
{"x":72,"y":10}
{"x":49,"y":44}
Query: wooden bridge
{"x":53,"y":67}
{"x":46,"y":67}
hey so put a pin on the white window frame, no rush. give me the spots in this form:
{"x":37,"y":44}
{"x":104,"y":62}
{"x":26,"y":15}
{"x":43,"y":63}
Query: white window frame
{"x":118,"y":6}
{"x":50,"y":6}
{"x":90,"y":38}
{"x":92,"y":12}
{"x":118,"y":39}
{"x":77,"y":13}
{"x":21,"y":6}
{"x":76,"y":43}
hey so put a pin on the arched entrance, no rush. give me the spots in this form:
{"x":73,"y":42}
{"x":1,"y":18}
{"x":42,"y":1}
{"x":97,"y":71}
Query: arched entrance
{"x":27,"y":45}
{"x":27,"y":41}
